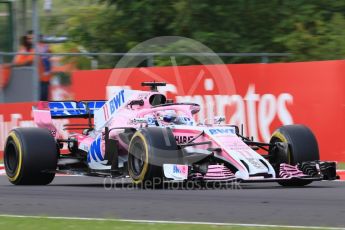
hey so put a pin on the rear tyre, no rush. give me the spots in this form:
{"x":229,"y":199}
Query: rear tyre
{"x":302,"y":146}
{"x":148,"y":150}
{"x":29,"y":154}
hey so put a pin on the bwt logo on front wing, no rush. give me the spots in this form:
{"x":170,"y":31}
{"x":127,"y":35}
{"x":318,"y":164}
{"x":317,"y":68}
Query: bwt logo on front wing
{"x":221,"y":131}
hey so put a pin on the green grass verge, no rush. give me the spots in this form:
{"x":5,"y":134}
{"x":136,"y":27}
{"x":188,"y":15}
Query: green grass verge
{"x":29,"y":223}
{"x":341,"y":165}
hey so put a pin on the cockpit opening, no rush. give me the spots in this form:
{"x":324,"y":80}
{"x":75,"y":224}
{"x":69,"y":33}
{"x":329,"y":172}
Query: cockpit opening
{"x":157,"y":99}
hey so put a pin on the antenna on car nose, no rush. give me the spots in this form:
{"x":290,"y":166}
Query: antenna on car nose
{"x":153,"y":85}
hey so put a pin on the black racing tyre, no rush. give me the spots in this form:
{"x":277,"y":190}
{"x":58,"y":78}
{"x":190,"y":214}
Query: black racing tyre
{"x":29,"y":154}
{"x":148,"y":150}
{"x":302,"y":146}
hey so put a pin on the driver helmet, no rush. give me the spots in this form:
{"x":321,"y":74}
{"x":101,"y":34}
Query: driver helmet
{"x":168,"y":116}
{"x":183,"y":120}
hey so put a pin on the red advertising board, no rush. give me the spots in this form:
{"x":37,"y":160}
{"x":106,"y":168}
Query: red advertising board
{"x":260,"y":96}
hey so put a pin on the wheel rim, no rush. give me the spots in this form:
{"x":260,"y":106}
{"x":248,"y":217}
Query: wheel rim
{"x":11,"y":158}
{"x":138,"y":156}
{"x":275,"y":161}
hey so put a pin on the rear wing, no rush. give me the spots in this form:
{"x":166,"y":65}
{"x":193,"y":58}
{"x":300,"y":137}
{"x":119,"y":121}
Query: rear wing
{"x":71,"y":109}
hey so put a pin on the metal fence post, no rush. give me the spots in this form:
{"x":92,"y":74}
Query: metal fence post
{"x":150,"y":60}
{"x":2,"y":96}
{"x":35,"y":27}
{"x":12,"y":26}
{"x":264,"y":59}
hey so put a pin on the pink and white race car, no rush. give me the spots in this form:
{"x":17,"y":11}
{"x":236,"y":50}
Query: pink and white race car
{"x":152,"y":140}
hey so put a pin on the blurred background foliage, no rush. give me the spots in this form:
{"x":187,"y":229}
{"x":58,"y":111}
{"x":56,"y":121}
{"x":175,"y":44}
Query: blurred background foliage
{"x":310,"y":30}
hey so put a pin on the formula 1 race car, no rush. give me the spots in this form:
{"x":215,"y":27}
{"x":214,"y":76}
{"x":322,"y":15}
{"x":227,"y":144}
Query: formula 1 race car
{"x":144,"y":136}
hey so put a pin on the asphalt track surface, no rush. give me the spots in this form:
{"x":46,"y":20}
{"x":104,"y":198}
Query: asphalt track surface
{"x":319,"y":204}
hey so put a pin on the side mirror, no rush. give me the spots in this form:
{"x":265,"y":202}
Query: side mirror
{"x":194,"y":109}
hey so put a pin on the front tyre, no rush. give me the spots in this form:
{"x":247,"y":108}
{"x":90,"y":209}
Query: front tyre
{"x":148,"y":150}
{"x":302,"y":147}
{"x":30,"y":153}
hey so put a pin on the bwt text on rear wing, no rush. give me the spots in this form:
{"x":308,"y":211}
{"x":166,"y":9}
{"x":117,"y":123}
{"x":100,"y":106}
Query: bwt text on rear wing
{"x":71,"y":109}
